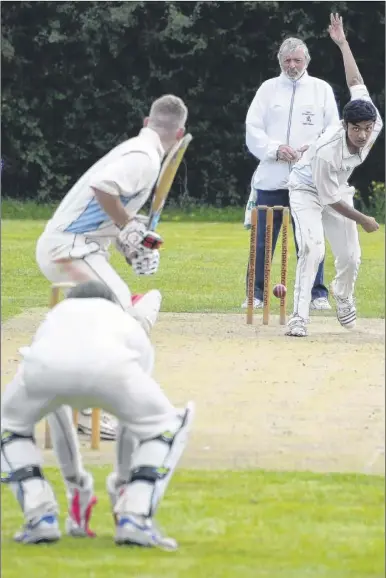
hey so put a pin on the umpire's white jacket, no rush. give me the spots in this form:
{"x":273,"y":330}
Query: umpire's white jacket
{"x":286,"y":112}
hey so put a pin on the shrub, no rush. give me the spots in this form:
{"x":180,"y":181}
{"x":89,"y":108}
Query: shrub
{"x":375,"y":203}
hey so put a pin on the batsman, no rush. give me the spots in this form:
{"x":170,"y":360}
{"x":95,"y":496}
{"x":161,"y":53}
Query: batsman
{"x":114,"y":372}
{"x":102,"y":208}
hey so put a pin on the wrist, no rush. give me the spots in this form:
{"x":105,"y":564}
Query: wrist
{"x":362,"y":219}
{"x":122,"y":223}
{"x":343,"y":45}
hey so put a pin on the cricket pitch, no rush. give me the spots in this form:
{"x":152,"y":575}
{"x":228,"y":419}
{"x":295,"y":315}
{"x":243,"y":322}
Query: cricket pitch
{"x":263,"y":400}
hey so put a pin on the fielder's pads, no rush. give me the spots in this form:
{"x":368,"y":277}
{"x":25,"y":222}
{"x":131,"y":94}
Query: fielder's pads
{"x":21,"y":462}
{"x":146,"y":262}
{"x":153,"y":464}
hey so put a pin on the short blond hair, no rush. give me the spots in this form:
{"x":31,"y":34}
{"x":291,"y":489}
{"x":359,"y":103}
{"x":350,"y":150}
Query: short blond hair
{"x":167,"y":114}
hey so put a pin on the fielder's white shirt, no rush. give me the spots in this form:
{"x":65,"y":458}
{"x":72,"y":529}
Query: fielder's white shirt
{"x":129,"y":171}
{"x":327,"y":164}
{"x":86,"y":332}
{"x":286,"y":112}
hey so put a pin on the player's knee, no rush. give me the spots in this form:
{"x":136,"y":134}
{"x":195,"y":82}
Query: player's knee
{"x":171,"y":424}
{"x":352,"y":261}
{"x":11,"y":421}
{"x":312,"y":251}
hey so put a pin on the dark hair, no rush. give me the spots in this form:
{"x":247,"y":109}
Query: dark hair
{"x":91,"y":290}
{"x":359,"y":110}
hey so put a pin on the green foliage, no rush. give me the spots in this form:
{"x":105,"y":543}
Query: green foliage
{"x":28,"y":210}
{"x":78,"y":78}
{"x":12,"y":209}
{"x":375,"y":202}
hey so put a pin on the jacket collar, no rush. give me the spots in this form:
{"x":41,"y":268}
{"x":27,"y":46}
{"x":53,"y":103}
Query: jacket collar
{"x":302,"y":80}
{"x":152,"y":137}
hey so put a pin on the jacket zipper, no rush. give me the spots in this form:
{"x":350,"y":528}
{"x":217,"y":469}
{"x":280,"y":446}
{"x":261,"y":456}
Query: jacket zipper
{"x":290,"y":119}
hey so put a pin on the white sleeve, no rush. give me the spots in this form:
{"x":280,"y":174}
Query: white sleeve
{"x":331,"y":114}
{"x":359,"y":91}
{"x":125,"y":176}
{"x":257,"y":140}
{"x":326,"y":181}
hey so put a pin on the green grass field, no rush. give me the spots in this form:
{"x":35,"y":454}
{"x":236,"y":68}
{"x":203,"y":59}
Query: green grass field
{"x":202,"y":269}
{"x":252,"y":523}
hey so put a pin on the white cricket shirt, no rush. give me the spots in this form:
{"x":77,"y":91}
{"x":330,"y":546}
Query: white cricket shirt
{"x":129,"y":171}
{"x":286,"y":112}
{"x":328,"y":164}
{"x":89,"y":333}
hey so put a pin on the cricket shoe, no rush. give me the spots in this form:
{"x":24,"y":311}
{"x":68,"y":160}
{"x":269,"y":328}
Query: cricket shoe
{"x":257,"y":303}
{"x":345,"y":310}
{"x":81,"y":503}
{"x":108,"y":425}
{"x":297,"y":327}
{"x":137,"y":530}
{"x":320,"y":304}
{"x":44,"y":531}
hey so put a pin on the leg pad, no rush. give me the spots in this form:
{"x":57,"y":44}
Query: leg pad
{"x":21,"y":475}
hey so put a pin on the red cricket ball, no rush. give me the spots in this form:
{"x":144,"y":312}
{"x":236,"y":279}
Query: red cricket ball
{"x":279,"y":290}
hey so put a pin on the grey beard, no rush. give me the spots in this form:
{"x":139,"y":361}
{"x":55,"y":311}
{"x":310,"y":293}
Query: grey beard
{"x":295,"y":78}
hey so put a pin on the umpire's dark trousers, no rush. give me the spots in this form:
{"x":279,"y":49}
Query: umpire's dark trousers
{"x":271,"y":198}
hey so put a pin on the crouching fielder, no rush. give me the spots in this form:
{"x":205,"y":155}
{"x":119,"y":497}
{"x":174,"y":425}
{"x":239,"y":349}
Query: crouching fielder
{"x":88,"y":352}
{"x":322,"y":202}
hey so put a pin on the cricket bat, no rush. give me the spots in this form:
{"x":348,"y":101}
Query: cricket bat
{"x":165,"y":179}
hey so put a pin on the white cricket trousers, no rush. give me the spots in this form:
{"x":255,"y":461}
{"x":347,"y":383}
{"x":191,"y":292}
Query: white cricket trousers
{"x":313,"y":223}
{"x":117,"y":380}
{"x":69,"y":258}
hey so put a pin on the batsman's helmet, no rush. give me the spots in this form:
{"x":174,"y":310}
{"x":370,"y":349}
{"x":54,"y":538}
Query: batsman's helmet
{"x":359,"y":110}
{"x":91,"y":290}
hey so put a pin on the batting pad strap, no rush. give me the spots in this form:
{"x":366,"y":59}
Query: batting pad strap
{"x":22,"y":474}
{"x":148,"y":474}
{"x":9,"y":437}
{"x":166,"y":437}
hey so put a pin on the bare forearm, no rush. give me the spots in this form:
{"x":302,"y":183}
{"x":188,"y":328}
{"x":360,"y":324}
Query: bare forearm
{"x":113,"y":207}
{"x":346,"y":210}
{"x":353,"y":76}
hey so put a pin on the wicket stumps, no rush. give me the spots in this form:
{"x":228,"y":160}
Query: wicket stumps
{"x":267,"y":261}
{"x":56,"y":288}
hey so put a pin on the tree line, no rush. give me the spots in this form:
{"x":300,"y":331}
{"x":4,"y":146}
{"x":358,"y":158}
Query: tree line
{"x":78,"y":78}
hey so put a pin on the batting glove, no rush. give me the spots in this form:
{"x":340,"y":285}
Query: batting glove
{"x":134,"y":238}
{"x":146,"y":262}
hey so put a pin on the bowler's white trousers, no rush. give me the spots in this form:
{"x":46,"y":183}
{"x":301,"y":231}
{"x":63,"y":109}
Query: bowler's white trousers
{"x":313,"y":223}
{"x":69,"y":258}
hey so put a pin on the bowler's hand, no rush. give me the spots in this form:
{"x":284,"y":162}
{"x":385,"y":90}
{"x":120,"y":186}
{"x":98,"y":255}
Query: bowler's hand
{"x":336,"y":29}
{"x":370,"y":225}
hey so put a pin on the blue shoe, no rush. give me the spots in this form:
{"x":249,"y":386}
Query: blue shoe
{"x":139,"y":531}
{"x":44,"y":531}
